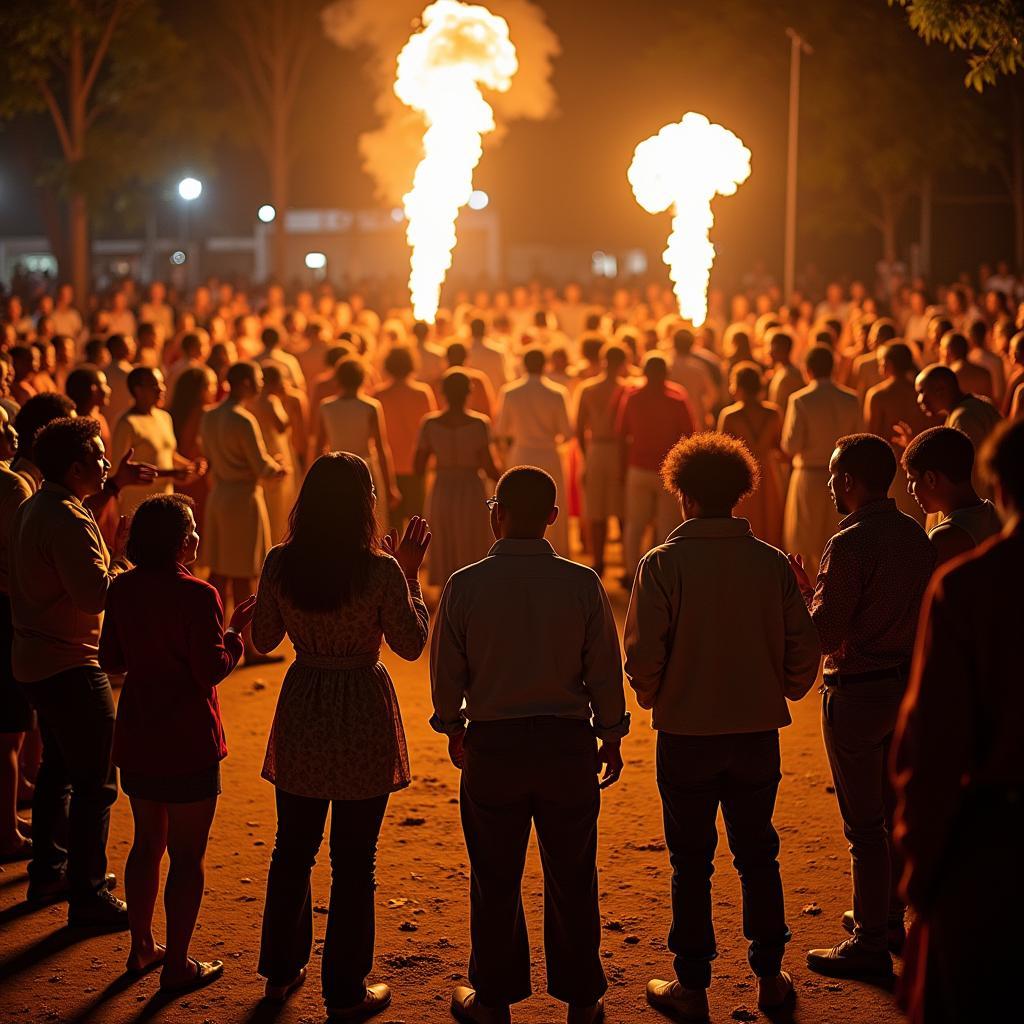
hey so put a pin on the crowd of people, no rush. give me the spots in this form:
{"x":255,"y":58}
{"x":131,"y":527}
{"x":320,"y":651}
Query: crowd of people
{"x":782,"y":481}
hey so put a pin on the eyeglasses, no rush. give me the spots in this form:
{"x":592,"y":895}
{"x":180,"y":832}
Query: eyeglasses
{"x":490,"y":503}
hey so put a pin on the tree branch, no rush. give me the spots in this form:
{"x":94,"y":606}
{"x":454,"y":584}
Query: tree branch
{"x":101,"y":50}
{"x":58,"y":117}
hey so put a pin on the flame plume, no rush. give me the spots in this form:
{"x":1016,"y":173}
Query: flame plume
{"x":684,"y":167}
{"x":441,"y":70}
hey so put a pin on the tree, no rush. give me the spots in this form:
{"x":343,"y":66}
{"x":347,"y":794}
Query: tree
{"x":275,"y":38}
{"x":100,"y":71}
{"x":992,"y":30}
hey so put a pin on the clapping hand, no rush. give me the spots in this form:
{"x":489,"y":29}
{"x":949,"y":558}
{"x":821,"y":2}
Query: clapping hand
{"x":902,"y":434}
{"x":610,"y":755}
{"x":132,"y":474}
{"x":243,"y":613}
{"x":410,"y":551}
{"x":803,"y":581}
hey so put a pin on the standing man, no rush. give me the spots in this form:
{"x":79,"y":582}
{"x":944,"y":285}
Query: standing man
{"x":487,"y":356}
{"x":818,"y":414}
{"x":651,"y":420}
{"x":939,"y":464}
{"x":718,"y":689}
{"x":598,"y":400}
{"x":525,"y":648}
{"x":533,"y":418}
{"x":786,"y":379}
{"x":865,"y":606}
{"x":959,"y":774}
{"x":237,"y":527}
{"x":60,"y":570}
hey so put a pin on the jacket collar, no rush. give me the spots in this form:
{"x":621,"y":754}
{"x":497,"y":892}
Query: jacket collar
{"x":509,"y":546}
{"x":711,"y":528}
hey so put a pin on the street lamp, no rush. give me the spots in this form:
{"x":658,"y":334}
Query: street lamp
{"x":798,"y":46}
{"x":478,"y":199}
{"x":266,"y":213}
{"x":190,"y":188}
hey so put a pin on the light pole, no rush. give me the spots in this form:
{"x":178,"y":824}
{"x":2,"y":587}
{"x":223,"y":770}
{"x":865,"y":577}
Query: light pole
{"x":189,"y":190}
{"x":798,"y":46}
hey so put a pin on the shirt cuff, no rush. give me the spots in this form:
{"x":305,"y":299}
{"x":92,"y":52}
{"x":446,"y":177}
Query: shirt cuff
{"x":612,"y":732}
{"x":448,"y":728}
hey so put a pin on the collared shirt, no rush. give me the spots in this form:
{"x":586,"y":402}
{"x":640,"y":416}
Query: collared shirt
{"x":872,"y":577}
{"x":817,"y":416}
{"x":652,"y":419}
{"x":524,"y":633}
{"x":717,"y":635}
{"x":534,"y":412}
{"x":60,"y":570}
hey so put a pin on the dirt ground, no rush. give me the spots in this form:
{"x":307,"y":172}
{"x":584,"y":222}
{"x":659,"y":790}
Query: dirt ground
{"x":51,"y":974}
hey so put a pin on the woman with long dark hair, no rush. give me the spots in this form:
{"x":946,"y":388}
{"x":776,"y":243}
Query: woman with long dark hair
{"x":336,"y":590}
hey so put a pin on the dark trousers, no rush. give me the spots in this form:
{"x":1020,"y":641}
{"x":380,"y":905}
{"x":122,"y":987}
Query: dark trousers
{"x":541,"y":771}
{"x":287,"y":940}
{"x":77,"y":783}
{"x":857,"y":723}
{"x":741,"y":773}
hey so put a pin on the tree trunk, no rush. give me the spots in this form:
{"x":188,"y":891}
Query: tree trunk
{"x":78,"y":207}
{"x":279,"y":195}
{"x":887,"y":225}
{"x":78,"y":246}
{"x":925,"y":234}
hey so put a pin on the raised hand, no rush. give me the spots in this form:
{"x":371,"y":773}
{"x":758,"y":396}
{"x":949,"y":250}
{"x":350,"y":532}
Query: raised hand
{"x":242,"y":615}
{"x":130,"y":474}
{"x":409,"y":552}
{"x":902,"y":434}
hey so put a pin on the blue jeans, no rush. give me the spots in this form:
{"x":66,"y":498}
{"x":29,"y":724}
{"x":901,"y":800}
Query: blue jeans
{"x":741,"y":773}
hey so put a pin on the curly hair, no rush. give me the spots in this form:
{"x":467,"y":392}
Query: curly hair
{"x":715,"y":470}
{"x":62,"y":443}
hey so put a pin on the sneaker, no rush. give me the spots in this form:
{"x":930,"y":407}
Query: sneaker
{"x":102,"y":910}
{"x":850,"y":960}
{"x":59,"y":889}
{"x":375,"y":999}
{"x":585,"y":1014}
{"x":687,"y":1004}
{"x":897,"y":933}
{"x":775,"y":992}
{"x":468,"y":1008}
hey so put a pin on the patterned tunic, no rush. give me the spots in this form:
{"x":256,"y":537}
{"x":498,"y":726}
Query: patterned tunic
{"x":337,"y":732}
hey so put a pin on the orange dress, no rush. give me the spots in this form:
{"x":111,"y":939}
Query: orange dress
{"x":760,"y":428}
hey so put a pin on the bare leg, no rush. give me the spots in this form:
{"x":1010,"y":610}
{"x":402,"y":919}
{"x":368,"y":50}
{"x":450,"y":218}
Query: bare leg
{"x":188,"y":831}
{"x":11,"y":839}
{"x":142,"y":880}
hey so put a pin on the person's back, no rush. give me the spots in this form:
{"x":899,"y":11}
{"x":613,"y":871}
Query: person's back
{"x":404,"y":403}
{"x":525,"y":648}
{"x":733,"y":612}
{"x":975,"y":416}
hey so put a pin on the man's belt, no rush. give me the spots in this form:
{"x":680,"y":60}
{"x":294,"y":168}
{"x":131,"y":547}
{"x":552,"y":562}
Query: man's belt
{"x":852,"y":678}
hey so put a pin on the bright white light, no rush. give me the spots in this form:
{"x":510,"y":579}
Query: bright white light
{"x":190,"y":188}
{"x":266,"y":213}
{"x":478,"y":199}
{"x":398,"y":215}
{"x":178,"y":257}
{"x":316,"y":260}
{"x":682,"y":169}
{"x":459,"y":50}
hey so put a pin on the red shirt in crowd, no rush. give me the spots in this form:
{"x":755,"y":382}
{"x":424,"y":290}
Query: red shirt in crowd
{"x":652,"y":419}
{"x":165,"y":629}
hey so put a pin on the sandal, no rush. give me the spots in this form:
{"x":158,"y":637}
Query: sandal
{"x":280,"y":993}
{"x":206,"y":972}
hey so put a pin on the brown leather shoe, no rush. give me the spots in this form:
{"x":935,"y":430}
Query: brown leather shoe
{"x":466,"y":1007}
{"x":896,"y":935}
{"x":687,"y":1004}
{"x":585,"y":1014}
{"x":375,"y":999}
{"x":850,"y":960}
{"x":775,"y":992}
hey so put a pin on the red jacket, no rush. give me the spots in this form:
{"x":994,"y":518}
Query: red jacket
{"x":165,"y":629}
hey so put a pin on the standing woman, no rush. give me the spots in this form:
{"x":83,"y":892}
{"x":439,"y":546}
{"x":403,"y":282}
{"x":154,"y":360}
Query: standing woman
{"x":759,"y":425}
{"x":164,"y":628}
{"x":460,"y":442}
{"x":195,"y":391}
{"x":337,"y":740}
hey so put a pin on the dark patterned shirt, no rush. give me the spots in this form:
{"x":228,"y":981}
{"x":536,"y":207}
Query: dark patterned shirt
{"x":872,"y":578}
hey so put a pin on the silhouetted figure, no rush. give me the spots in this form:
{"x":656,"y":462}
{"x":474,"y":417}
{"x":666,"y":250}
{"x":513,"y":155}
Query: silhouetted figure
{"x":959,"y":775}
{"x":525,"y":648}
{"x":717,"y":639}
{"x":865,"y":606}
{"x":164,"y":629}
{"x":337,"y":740}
